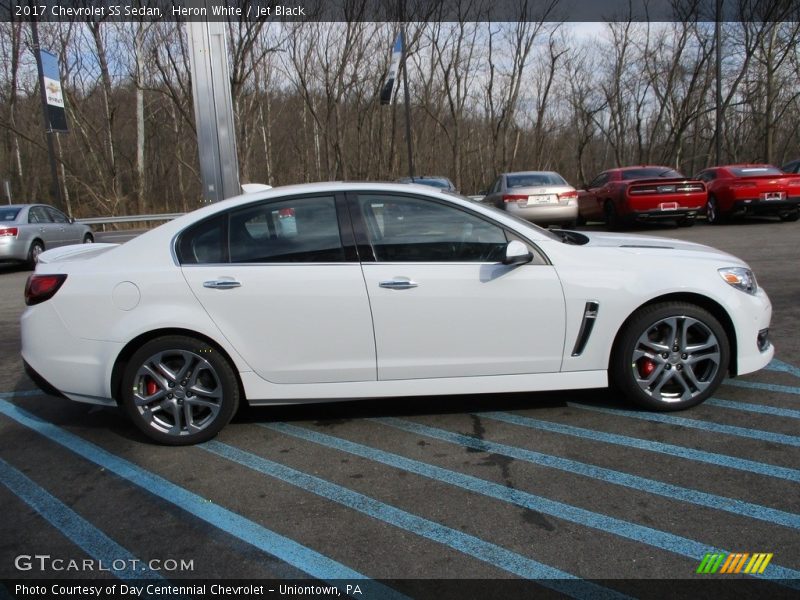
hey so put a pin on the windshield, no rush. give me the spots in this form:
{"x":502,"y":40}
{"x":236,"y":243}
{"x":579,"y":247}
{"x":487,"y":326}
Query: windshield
{"x":752,"y":171}
{"x":534,"y":179}
{"x":435,"y":182}
{"x":649,"y":173}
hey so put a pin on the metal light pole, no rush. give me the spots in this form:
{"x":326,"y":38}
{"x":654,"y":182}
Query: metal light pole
{"x":213,"y":109}
{"x":718,"y":39}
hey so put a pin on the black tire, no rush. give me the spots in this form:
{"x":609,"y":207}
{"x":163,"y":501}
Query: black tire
{"x":192,"y":397}
{"x":37,"y":247}
{"x":88,"y":239}
{"x":647,"y":368}
{"x":790,"y":217}
{"x":713,"y":215}
{"x":613,"y":221}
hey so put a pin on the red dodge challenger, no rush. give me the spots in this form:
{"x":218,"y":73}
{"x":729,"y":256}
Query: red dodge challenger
{"x":646,"y":193}
{"x":737,"y":190}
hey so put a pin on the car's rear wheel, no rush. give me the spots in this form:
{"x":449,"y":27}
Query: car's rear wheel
{"x":179,"y":390}
{"x":36,"y":248}
{"x":613,"y":221}
{"x":670,"y":356}
{"x":88,"y":238}
{"x":712,"y":211}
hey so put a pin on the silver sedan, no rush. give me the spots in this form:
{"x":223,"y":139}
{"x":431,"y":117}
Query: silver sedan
{"x":27,"y":230}
{"x":542,"y":197}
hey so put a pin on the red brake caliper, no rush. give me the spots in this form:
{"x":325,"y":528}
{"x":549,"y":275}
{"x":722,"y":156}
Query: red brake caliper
{"x":151,"y":387}
{"x":646,"y":367}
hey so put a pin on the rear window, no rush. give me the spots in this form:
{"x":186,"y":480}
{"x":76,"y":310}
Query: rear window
{"x":649,"y":173}
{"x":754,"y":171}
{"x":8,"y":214}
{"x":534,"y":179}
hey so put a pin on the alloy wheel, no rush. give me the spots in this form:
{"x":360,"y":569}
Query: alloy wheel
{"x":676,"y":359}
{"x":177,"y":392}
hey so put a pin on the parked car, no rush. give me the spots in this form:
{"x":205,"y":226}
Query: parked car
{"x":739,"y":190}
{"x":541,"y":197}
{"x":380,"y":290}
{"x":792,"y":167}
{"x":622,"y":196}
{"x":443,"y":183}
{"x":27,"y":230}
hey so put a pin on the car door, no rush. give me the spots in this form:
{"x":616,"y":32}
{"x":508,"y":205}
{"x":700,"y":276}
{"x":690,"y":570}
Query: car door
{"x":67,"y":232}
{"x":443,"y":304}
{"x":44,"y":228}
{"x":590,"y":200}
{"x":285,"y":289}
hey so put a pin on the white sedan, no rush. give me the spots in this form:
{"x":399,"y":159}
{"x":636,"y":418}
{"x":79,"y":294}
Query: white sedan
{"x":355,"y":290}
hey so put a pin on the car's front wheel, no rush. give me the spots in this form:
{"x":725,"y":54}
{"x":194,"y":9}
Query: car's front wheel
{"x":670,"y":356}
{"x":88,"y":238}
{"x":179,"y":390}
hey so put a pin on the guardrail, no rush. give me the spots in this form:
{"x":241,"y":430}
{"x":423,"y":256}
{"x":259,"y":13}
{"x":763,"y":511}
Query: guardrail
{"x":129,"y":219}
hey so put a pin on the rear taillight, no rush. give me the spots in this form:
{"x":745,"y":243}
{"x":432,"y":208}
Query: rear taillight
{"x":568,"y":195}
{"x":42,"y":287}
{"x":514,"y":198}
{"x":794,"y":182}
{"x":743,"y":184}
{"x":8,"y":231}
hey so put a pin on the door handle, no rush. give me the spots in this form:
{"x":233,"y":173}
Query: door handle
{"x":222,"y":284}
{"x":398,"y":284}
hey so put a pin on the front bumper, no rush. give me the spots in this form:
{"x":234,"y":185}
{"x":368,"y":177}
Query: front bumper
{"x":752,"y":318}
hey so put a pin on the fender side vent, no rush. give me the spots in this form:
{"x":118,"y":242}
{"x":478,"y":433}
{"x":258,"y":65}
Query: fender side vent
{"x":587,"y":324}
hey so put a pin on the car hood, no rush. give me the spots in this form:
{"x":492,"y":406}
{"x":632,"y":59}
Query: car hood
{"x":74,"y":252}
{"x":656,"y":246}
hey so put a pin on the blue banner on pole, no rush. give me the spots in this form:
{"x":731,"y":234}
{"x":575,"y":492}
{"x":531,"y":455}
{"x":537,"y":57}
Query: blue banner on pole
{"x":394,"y":70}
{"x":51,"y":82}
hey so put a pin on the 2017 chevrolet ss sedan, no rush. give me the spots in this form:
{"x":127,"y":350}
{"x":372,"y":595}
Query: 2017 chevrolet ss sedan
{"x":359,"y":290}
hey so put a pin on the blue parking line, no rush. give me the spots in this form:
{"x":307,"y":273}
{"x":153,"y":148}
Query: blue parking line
{"x":74,"y":527}
{"x":721,"y":460}
{"x":313,"y":563}
{"x":639,"y":533}
{"x":492,"y":554}
{"x":769,"y":387}
{"x":755,"y":434}
{"x":673,"y":492}
{"x":756,"y":408}
{"x":22,"y":394}
{"x":784,"y":367}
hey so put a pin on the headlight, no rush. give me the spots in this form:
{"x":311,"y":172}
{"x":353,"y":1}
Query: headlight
{"x":740,"y":278}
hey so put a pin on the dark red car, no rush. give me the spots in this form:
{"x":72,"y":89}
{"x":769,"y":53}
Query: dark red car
{"x":646,"y":193}
{"x":738,"y":190}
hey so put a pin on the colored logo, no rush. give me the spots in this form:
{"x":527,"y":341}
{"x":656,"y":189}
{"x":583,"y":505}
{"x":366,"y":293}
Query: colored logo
{"x":734,"y":562}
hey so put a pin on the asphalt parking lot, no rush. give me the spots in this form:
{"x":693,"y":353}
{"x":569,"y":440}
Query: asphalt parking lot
{"x":575,"y":491}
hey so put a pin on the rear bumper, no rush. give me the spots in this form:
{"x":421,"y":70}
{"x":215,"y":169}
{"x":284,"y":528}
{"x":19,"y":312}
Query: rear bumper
{"x":12,"y":248}
{"x":544,"y":213}
{"x":63,"y":364}
{"x":665,"y":215}
{"x":756,"y":206}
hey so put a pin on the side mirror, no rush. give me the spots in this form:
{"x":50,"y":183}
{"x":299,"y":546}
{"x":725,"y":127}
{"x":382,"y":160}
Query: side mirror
{"x":70,"y":220}
{"x":517,"y":253}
